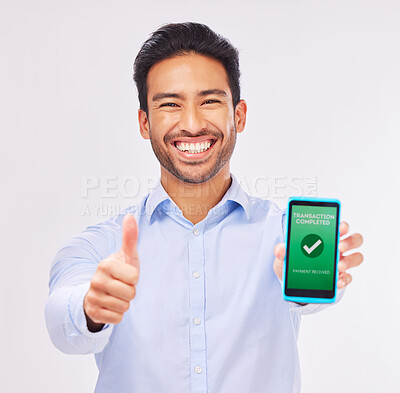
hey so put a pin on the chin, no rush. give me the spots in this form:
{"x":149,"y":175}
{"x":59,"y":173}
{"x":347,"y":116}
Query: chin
{"x":193,"y":178}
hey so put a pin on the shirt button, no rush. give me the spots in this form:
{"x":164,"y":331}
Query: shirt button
{"x":197,"y":369}
{"x":196,"y":274}
{"x":196,"y":232}
{"x":196,"y":321}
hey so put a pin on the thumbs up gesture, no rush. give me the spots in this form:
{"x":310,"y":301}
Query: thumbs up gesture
{"x":113,"y":285}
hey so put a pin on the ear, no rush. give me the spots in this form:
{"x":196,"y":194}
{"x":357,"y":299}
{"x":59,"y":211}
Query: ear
{"x":144,"y":124}
{"x":240,"y":115}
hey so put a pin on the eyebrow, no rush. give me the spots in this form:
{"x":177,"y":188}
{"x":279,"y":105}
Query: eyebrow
{"x":160,"y":96}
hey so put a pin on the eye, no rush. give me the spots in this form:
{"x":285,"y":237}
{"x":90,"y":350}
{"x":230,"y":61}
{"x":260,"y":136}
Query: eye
{"x":168,"y":104}
{"x":211,"y":101}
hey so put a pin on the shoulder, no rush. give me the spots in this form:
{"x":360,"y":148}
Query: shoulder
{"x":268,"y":213}
{"x":94,"y":243}
{"x":265,"y":207}
{"x":107,"y":234}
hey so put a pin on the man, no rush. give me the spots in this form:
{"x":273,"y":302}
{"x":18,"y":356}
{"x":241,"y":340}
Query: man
{"x":183,"y":292}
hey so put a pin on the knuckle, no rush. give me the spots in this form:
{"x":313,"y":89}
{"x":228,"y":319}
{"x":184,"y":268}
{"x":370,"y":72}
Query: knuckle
{"x":135,"y":276}
{"x":356,"y":238}
{"x":97,"y":282}
{"x":90,"y":298}
{"x":89,"y":310}
{"x":349,"y":278}
{"x":130,"y":293}
{"x":133,"y":292}
{"x":105,"y":265}
{"x":95,"y":314}
{"x":132,"y":274}
{"x":118,"y":318}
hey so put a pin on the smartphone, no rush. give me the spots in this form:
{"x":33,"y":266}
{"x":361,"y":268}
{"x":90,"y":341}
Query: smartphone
{"x":310,"y":270}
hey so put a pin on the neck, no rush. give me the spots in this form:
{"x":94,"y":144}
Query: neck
{"x":196,"y":200}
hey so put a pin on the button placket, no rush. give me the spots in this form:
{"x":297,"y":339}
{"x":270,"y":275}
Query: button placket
{"x":197,"y":306}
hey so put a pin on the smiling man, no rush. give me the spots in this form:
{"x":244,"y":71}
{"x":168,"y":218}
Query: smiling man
{"x":182,"y":292}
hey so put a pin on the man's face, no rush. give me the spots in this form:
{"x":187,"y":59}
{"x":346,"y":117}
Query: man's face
{"x":191,"y":122}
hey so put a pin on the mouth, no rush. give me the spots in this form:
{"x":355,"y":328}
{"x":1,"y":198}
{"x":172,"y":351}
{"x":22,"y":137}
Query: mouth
{"x":194,"y":148}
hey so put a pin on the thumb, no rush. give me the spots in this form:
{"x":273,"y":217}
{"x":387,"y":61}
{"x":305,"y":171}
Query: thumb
{"x":279,"y":259}
{"x":130,"y":234}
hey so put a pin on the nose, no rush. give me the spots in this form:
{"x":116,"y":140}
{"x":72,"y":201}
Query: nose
{"x":192,"y":120}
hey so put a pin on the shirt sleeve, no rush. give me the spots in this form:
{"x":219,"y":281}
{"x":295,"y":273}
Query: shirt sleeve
{"x":310,"y":308}
{"x":70,"y":275}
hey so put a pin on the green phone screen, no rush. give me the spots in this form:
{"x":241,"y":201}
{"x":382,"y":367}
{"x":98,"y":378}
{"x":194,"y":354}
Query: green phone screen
{"x":311,"y":256}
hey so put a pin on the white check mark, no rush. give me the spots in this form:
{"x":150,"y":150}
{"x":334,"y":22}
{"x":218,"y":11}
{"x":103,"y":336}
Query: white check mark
{"x":313,"y":247}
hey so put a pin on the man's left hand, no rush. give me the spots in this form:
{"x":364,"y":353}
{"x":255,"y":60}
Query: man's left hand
{"x":345,"y":262}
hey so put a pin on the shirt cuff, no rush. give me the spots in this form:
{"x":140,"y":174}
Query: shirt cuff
{"x":77,"y":315}
{"x":311,"y":308}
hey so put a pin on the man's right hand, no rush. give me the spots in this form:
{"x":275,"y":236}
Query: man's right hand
{"x":113,"y":285}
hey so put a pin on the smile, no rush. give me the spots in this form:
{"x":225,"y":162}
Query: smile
{"x":193,"y":148}
{"x":198,"y":149}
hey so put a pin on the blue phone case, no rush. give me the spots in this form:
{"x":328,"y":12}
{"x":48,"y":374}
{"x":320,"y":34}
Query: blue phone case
{"x":310,"y":299}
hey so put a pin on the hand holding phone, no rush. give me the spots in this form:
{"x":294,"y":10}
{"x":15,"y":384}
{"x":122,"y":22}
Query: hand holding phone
{"x":310,"y":270}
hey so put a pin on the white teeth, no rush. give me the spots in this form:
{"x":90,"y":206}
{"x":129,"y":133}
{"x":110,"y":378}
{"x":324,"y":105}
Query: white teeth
{"x":193,"y":147}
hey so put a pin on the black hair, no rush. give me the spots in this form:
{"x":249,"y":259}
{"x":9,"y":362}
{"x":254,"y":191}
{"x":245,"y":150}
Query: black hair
{"x":178,"y":39}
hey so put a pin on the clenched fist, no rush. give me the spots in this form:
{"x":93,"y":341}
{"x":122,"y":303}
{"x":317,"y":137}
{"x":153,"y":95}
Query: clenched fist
{"x":113,"y":285}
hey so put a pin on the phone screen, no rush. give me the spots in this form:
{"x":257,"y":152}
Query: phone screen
{"x":312,"y":249}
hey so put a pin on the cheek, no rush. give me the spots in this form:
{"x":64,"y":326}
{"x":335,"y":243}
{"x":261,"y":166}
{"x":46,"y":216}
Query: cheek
{"x":165,"y":119}
{"x":221,"y":119}
{"x":161,"y":124}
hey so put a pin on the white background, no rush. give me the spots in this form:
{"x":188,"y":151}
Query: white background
{"x":322,"y":84}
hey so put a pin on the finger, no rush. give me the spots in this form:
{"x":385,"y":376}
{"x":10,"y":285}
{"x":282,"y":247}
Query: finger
{"x":350,"y":261}
{"x":102,"y":300}
{"x":344,"y":279}
{"x":279,"y":251}
{"x":103,"y":315}
{"x":114,"y":288}
{"x":353,"y":241}
{"x":120,"y":271}
{"x":129,"y":240}
{"x":119,"y":289}
{"x":343,"y":228}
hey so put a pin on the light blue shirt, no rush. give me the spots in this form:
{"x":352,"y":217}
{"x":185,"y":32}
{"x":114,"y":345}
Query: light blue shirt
{"x":208,"y":315}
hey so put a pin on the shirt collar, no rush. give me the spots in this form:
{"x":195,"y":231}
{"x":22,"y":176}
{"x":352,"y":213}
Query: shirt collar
{"x":235,"y":193}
